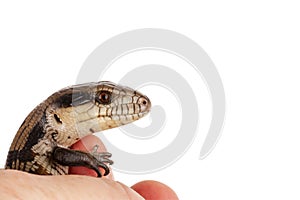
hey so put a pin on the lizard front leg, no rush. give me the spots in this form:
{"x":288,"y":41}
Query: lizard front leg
{"x":70,"y":157}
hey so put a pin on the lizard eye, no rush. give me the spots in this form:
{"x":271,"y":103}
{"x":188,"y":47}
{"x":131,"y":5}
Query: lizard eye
{"x":103,"y":97}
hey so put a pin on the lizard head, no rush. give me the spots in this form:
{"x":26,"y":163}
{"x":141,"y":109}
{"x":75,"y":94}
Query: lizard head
{"x":93,"y":107}
{"x":118,"y":105}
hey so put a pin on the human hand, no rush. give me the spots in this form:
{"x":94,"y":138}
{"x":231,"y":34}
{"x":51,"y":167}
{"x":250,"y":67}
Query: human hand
{"x":20,"y":185}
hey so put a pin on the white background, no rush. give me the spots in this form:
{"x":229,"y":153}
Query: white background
{"x":254,"y":44}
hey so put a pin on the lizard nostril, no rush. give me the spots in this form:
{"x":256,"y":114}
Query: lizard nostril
{"x":145,"y":104}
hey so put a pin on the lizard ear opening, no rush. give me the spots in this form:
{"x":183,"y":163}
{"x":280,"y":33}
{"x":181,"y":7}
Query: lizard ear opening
{"x":57,"y":119}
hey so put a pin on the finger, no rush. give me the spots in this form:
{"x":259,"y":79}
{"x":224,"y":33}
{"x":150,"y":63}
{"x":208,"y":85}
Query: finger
{"x":154,"y":190}
{"x":86,"y":144}
{"x":20,"y":185}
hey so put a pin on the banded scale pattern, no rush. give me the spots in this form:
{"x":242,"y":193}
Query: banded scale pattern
{"x":67,"y":116}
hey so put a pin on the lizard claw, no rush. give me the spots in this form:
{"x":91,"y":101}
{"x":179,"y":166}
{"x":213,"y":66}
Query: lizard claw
{"x":101,"y":156}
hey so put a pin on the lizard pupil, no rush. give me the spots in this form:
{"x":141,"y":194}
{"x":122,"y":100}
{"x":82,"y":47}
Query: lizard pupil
{"x":104,"y":97}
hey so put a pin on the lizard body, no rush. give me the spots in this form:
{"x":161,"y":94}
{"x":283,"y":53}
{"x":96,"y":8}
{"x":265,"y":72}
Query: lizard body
{"x":41,"y":145}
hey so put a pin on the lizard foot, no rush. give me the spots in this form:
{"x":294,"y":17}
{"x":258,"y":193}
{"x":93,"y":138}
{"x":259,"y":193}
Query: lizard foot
{"x":94,"y":160}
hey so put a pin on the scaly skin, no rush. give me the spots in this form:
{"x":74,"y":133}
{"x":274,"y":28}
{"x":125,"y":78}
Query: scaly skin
{"x":41,"y":145}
